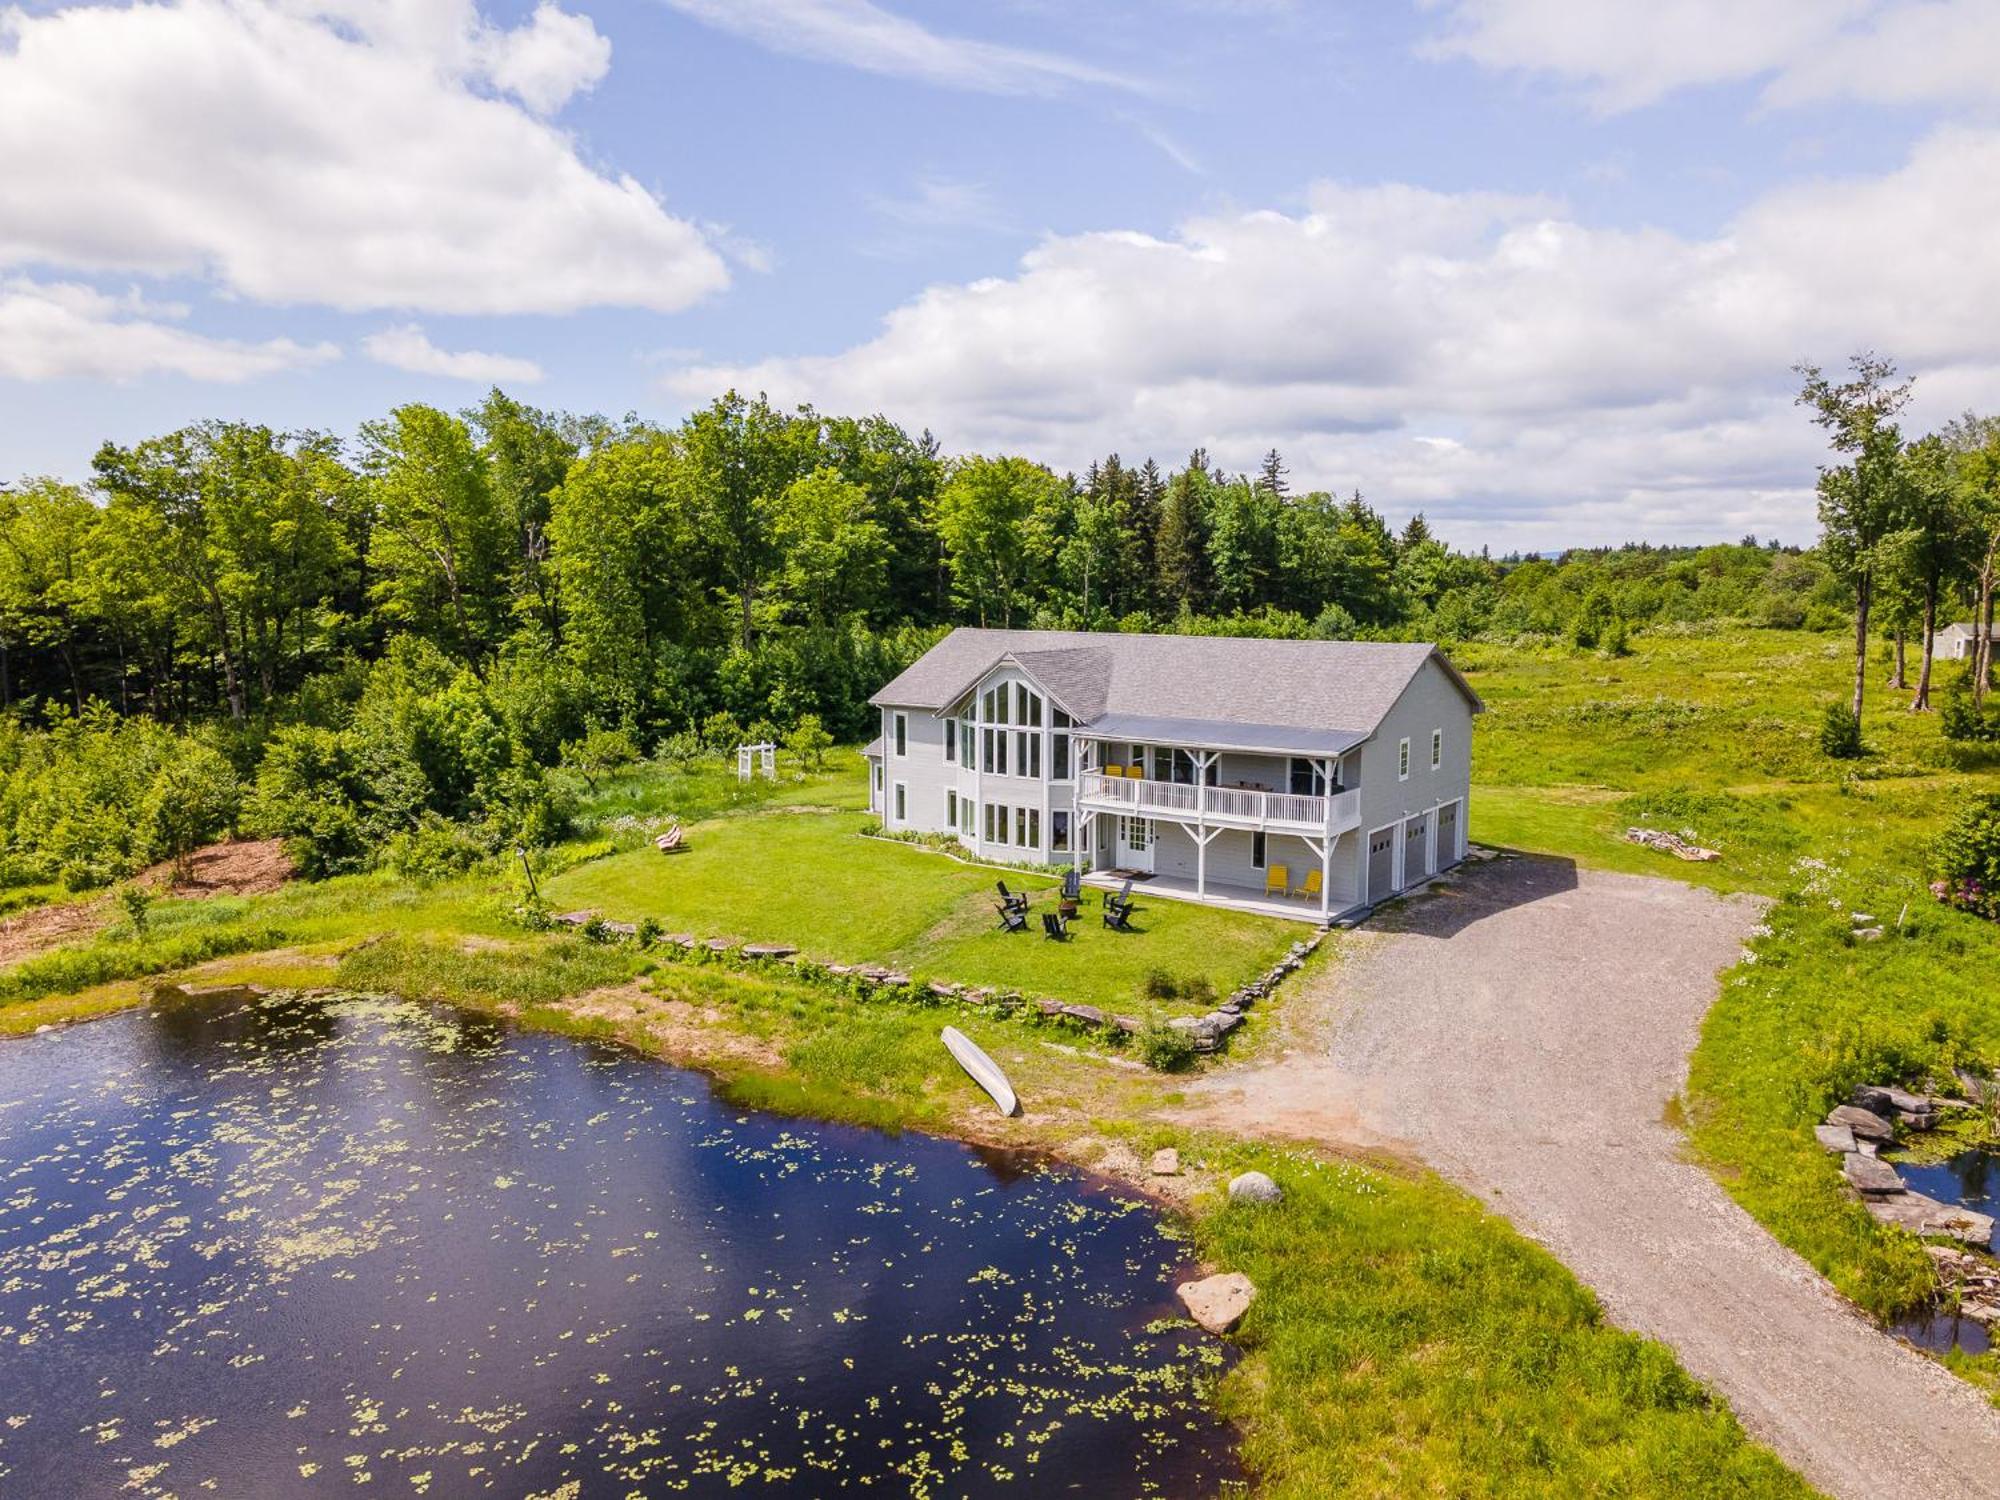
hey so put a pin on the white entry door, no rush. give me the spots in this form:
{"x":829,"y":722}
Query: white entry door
{"x":1135,"y":843}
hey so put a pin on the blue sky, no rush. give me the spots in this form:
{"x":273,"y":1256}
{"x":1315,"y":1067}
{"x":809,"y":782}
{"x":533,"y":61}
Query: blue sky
{"x":1538,"y":268}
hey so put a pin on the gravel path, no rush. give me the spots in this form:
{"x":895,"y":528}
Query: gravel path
{"x":1523,"y":1032}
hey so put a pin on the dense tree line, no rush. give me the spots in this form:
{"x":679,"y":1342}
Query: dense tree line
{"x":404,"y":645}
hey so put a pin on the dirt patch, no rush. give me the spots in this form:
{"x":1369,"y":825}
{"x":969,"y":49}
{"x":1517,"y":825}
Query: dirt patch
{"x":241,"y":867}
{"x":27,"y":933}
{"x":678,"y":1031}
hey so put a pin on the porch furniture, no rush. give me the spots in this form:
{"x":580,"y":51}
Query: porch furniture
{"x":1114,"y":770}
{"x":1053,"y":926}
{"x":1315,"y":882}
{"x":1011,"y":901}
{"x":1011,"y":920}
{"x":1278,"y":881}
{"x":670,"y":841}
{"x":1072,"y":886}
{"x":1117,"y":918}
{"x":1122,"y":897}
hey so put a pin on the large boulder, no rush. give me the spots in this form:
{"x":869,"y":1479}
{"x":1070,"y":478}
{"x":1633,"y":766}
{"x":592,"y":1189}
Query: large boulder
{"x":1871,"y":1175}
{"x":1865,"y":1123}
{"x":1218,"y":1303}
{"x":1921,"y":1215}
{"x":1254,"y":1187}
{"x":1835,"y":1138}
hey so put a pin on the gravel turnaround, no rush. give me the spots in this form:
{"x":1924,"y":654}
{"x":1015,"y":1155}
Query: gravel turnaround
{"x":1523,"y":1031}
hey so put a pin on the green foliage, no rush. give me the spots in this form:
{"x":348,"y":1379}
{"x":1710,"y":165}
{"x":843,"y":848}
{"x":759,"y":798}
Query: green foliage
{"x":1965,"y":858}
{"x":192,"y":800}
{"x":1164,"y":1048}
{"x":809,"y":741}
{"x":1840,"y":733}
{"x":599,"y":752}
{"x":136,"y":902}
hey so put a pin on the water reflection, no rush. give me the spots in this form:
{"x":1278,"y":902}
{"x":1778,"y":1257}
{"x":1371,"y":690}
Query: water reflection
{"x":261,"y":1248}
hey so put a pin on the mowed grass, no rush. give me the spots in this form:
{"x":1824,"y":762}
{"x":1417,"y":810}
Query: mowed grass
{"x":812,"y":879}
{"x":1716,"y":737}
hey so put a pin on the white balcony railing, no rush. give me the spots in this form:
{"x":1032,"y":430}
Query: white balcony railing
{"x":1221,"y":804}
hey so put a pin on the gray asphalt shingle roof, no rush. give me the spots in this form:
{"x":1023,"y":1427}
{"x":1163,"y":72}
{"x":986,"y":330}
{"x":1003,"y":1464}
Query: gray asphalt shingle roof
{"x":1221,"y":680}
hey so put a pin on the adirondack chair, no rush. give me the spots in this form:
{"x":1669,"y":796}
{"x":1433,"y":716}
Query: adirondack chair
{"x":1053,"y":926}
{"x":1008,"y":899}
{"x":1117,"y":918}
{"x":1072,"y":886}
{"x":1277,"y":881}
{"x":1122,"y":899}
{"x":1010,"y":919}
{"x":1315,"y":883}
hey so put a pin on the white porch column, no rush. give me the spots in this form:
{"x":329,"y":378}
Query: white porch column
{"x":1326,"y":878}
{"x":1203,"y":759}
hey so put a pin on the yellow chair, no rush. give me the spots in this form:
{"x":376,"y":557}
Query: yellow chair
{"x":1277,"y":881}
{"x":1114,"y":770}
{"x":1311,"y":889}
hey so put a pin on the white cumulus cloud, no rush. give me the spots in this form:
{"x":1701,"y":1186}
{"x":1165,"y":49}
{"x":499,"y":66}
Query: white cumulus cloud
{"x":409,"y":348}
{"x":356,"y":154}
{"x":1490,"y":357}
{"x":64,"y":330}
{"x":1630,"y":53}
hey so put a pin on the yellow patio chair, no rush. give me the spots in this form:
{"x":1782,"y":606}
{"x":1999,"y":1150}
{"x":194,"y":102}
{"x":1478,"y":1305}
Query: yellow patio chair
{"x":1311,"y":889}
{"x":1114,"y":770}
{"x":1277,"y":881}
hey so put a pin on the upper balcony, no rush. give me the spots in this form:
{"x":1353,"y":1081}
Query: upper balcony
{"x":1224,"y":806}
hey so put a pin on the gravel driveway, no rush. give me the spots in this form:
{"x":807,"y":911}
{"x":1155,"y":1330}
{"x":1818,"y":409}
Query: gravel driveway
{"x":1522,"y":1032}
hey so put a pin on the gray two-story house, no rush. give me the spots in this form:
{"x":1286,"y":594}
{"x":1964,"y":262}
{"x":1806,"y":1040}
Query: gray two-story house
{"x":1302,"y":777}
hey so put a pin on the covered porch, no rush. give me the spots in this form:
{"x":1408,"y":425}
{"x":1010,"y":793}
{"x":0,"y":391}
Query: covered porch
{"x":1228,"y":897}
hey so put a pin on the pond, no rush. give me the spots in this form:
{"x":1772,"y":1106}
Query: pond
{"x":303,"y":1245}
{"x":1971,"y":1179}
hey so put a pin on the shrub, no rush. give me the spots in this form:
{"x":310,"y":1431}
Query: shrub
{"x":1159,"y":985}
{"x":1840,"y":733}
{"x":1962,"y":720}
{"x":809,"y":741}
{"x":1615,"y":640}
{"x":1965,"y":859}
{"x":191,"y":801}
{"x":434,"y":850}
{"x":598,"y":753}
{"x":1166,"y":1049}
{"x":136,"y":902}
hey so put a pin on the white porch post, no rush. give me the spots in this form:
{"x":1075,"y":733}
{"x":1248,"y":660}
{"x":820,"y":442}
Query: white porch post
{"x":1326,"y":878}
{"x":1203,"y":759}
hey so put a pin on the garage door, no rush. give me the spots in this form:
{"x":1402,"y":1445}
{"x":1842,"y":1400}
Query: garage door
{"x":1448,"y":834}
{"x":1416,"y":850}
{"x":1381,"y":865}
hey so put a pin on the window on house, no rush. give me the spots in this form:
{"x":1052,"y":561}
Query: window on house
{"x":1059,"y":757}
{"x":1257,"y":851}
{"x":878,"y":778}
{"x":989,"y":822}
{"x":1403,"y":760}
{"x":902,"y":803}
{"x":902,"y":734}
{"x":1034,"y":839}
{"x":1034,"y":714}
{"x":950,"y":741}
{"x":1308,"y":778}
{"x":1021,"y":827}
{"x":1058,"y":831}
{"x":1028,"y":754}
{"x":1060,"y":719}
{"x":951,"y":809}
{"x":999,"y":714}
{"x":1437,"y":748}
{"x":968,"y":814}
{"x":1000,"y":752}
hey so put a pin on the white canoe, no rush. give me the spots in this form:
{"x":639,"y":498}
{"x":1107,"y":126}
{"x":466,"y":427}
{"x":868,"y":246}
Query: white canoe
{"x":984,"y":1070}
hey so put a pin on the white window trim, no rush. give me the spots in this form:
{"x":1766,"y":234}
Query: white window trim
{"x":1437,"y":748}
{"x":899,"y":736}
{"x":951,"y":806}
{"x":899,"y":801}
{"x":1402,"y":760}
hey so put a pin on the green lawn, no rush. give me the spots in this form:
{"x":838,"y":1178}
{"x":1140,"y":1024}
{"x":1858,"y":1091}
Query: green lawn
{"x":811,"y":879}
